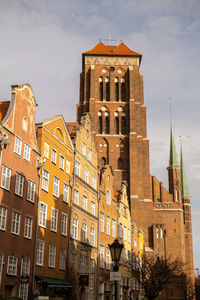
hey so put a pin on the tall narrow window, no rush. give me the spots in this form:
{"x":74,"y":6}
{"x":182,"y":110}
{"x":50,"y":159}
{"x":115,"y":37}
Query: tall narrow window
{"x":116,"y":125}
{"x":100,"y":89}
{"x":107,"y":124}
{"x":123,"y":125}
{"x":100,"y":124}
{"x":116,"y":89}
{"x":107,"y":89}
{"x":123,"y":89}
{"x":120,"y":163}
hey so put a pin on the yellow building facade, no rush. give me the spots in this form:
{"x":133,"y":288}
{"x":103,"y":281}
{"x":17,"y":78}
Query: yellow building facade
{"x":57,"y":154}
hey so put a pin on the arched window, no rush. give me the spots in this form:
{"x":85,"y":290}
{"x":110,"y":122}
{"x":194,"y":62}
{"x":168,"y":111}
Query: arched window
{"x":116,"y":125}
{"x":100,"y":123}
{"x":120,"y":163}
{"x":116,"y":89}
{"x":107,"y":89}
{"x":123,"y":123}
{"x":103,"y":161}
{"x":123,"y":89}
{"x":100,"y":89}
{"x":107,"y":125}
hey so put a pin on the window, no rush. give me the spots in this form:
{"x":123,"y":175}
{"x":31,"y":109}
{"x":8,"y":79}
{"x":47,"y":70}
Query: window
{"x":123,"y":89}
{"x":75,"y":229}
{"x":120,"y":163}
{"x":86,"y":175}
{"x":12,"y":265}
{"x":92,"y":236}
{"x":100,"y":124}
{"x":94,"y":182}
{"x":3,"y":216}
{"x":54,"y":219}
{"x":107,"y":125}
{"x":107,"y":259}
{"x":100,"y":89}
{"x":67,"y":167}
{"x":64,"y":224}
{"x":43,"y":214}
{"x":102,"y":222}
{"x":89,"y":154}
{"x":84,"y":233}
{"x":18,"y":146}
{"x":52,"y":256}
{"x":103,"y":161}
{"x":84,"y":149}
{"x":62,"y":162}
{"x":31,"y":191}
{"x":53,"y":156}
{"x":91,"y":278}
{"x":108,"y":225}
{"x":76,"y":197}
{"x":28,"y":227}
{"x":113,"y":228}
{"x":46,"y":150}
{"x":120,"y":231}
{"x":66,"y":193}
{"x":85,"y":202}
{"x":135,"y":242}
{"x":56,"y":186}
{"x":23,"y":291}
{"x":124,"y":233}
{"x":157,"y":233}
{"x":19,"y":184}
{"x":125,"y":211}
{"x":27,"y":152}
{"x":74,"y":260}
{"x":129,"y":236}
{"x":107,"y":89}
{"x":116,"y":89}
{"x":40,"y":253}
{"x":101,"y":256}
{"x":15,"y":228}
{"x":83,"y":261}
{"x":25,"y":266}
{"x":5,"y":178}
{"x":123,"y":125}
{"x":116,"y":125}
{"x":62,"y":258}
{"x":77,"y":168}
{"x":93,"y":208}
{"x":108,"y":197}
{"x":45,"y":180}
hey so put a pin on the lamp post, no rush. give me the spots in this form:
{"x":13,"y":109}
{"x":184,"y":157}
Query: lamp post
{"x":115,"y":250}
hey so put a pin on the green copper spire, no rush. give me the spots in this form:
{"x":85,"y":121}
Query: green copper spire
{"x":173,"y":160}
{"x":185,"y":191}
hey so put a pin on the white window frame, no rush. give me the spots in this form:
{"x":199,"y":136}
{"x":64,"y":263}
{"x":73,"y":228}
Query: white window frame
{"x":108,"y":225}
{"x":45,"y":180}
{"x":52,"y":256}
{"x":54,"y":219}
{"x":76,"y":197}
{"x":56,"y":183}
{"x":101,"y":256}
{"x":19,"y":184}
{"x":25,"y":266}
{"x":94,"y":182}
{"x":62,"y":162}
{"x":124,"y":233}
{"x":89,"y":154}
{"x":31,"y":191}
{"x":18,"y":146}
{"x":68,"y":166}
{"x":75,"y":229}
{"x":53,"y":156}
{"x":43,"y":214}
{"x":62,"y":259}
{"x":84,"y":233}
{"x":102,"y":222}
{"x":77,"y":168}
{"x":85,"y":200}
{"x":64,"y":224}
{"x":84,"y":149}
{"x":5,"y":177}
{"x":40,"y":253}
{"x":108,"y":197}
{"x":66,"y":193}
{"x":113,"y":228}
{"x":12,"y":265}
{"x":93,"y":208}
{"x":92,"y":236}
{"x":120,"y":231}
{"x":3,"y":217}
{"x":86,"y":175}
{"x":27,"y":152}
{"x":15,"y":225}
{"x":28,"y":225}
{"x":23,"y":291}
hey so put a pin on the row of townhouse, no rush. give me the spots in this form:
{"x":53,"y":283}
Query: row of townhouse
{"x":58,"y":209}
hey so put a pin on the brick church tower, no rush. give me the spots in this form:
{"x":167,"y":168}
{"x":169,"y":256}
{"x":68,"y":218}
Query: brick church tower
{"x":111,"y":89}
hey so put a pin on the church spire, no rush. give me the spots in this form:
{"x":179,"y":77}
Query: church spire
{"x":185,"y":191}
{"x":173,"y":160}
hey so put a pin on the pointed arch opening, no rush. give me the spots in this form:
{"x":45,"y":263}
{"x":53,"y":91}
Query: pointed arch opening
{"x":116,"y":89}
{"x":107,"y":89}
{"x":120,"y":163}
{"x":123,"y":125}
{"x":123,"y":96}
{"x":100,"y":124}
{"x":116,"y":124}
{"x":100,"y":89}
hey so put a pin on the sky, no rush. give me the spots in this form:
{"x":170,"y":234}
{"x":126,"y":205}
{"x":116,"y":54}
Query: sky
{"x":41,"y":42}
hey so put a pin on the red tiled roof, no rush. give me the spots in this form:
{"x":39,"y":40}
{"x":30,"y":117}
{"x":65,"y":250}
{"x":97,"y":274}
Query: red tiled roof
{"x":121,"y":49}
{"x":71,"y":127}
{"x":3,"y":109}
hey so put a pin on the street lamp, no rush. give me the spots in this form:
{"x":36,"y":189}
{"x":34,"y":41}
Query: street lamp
{"x":115,"y":250}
